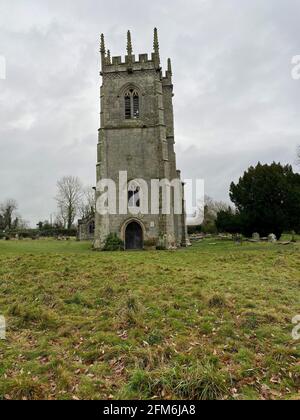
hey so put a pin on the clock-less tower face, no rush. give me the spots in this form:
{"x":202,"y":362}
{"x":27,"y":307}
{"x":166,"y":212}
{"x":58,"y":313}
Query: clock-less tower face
{"x":136,"y":136}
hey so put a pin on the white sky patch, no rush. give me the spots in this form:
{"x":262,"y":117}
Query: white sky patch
{"x":25,"y":123}
{"x":2,"y":67}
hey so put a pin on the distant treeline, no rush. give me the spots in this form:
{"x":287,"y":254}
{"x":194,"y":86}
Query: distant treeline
{"x":36,"y":233}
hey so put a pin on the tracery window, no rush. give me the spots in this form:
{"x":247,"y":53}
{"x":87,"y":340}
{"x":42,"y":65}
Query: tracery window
{"x":132,"y":104}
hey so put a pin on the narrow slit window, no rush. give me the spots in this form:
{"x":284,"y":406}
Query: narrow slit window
{"x":136,"y":105}
{"x":127,"y":107}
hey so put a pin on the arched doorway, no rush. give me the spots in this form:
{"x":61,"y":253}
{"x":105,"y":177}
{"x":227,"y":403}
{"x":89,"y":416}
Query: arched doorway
{"x":134,"y":236}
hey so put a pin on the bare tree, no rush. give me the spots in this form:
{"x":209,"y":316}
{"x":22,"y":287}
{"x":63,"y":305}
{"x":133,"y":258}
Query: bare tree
{"x":59,"y":222}
{"x":212,"y":208}
{"x":20,"y":224}
{"x":298,"y":156}
{"x":7,"y":211}
{"x":68,"y":199}
{"x":61,"y":218}
{"x":87,"y":204}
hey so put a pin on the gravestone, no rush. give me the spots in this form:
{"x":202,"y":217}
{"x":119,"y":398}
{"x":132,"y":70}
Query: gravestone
{"x":272,"y":238}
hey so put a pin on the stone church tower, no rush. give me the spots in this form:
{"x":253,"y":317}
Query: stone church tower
{"x":137,"y":135}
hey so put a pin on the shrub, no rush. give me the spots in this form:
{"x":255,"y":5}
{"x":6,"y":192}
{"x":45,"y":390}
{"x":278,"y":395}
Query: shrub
{"x":209,"y":228}
{"x":228,"y":221}
{"x":37,"y":233}
{"x":113,"y":243}
{"x":194,"y":229}
{"x":58,"y":232}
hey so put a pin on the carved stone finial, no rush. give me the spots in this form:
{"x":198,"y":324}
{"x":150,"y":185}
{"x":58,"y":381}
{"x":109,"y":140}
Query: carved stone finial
{"x":102,"y":44}
{"x":156,"y":43}
{"x":129,"y":44}
{"x":129,"y":51}
{"x":102,"y":51}
{"x":108,"y":57}
{"x":156,"y":48}
{"x":170,"y":67}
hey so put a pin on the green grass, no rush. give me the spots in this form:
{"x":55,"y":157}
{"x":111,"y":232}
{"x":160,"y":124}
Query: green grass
{"x":207,"y":322}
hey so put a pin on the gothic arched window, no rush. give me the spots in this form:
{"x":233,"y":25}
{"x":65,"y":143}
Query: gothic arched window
{"x":134,"y":200}
{"x":132,"y":104}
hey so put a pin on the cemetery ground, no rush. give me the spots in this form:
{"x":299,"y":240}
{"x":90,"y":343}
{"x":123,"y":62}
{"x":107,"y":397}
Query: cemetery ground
{"x":213,"y":321}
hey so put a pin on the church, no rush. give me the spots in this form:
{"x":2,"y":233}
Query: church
{"x":136,"y":136}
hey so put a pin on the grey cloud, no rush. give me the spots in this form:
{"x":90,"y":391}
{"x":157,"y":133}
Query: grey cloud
{"x":235,"y":100}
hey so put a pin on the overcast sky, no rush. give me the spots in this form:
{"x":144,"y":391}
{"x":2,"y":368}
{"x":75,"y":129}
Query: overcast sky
{"x":235,"y":100}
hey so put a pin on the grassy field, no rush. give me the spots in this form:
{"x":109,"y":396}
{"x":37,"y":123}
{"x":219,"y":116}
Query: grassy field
{"x":211,"y":321}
